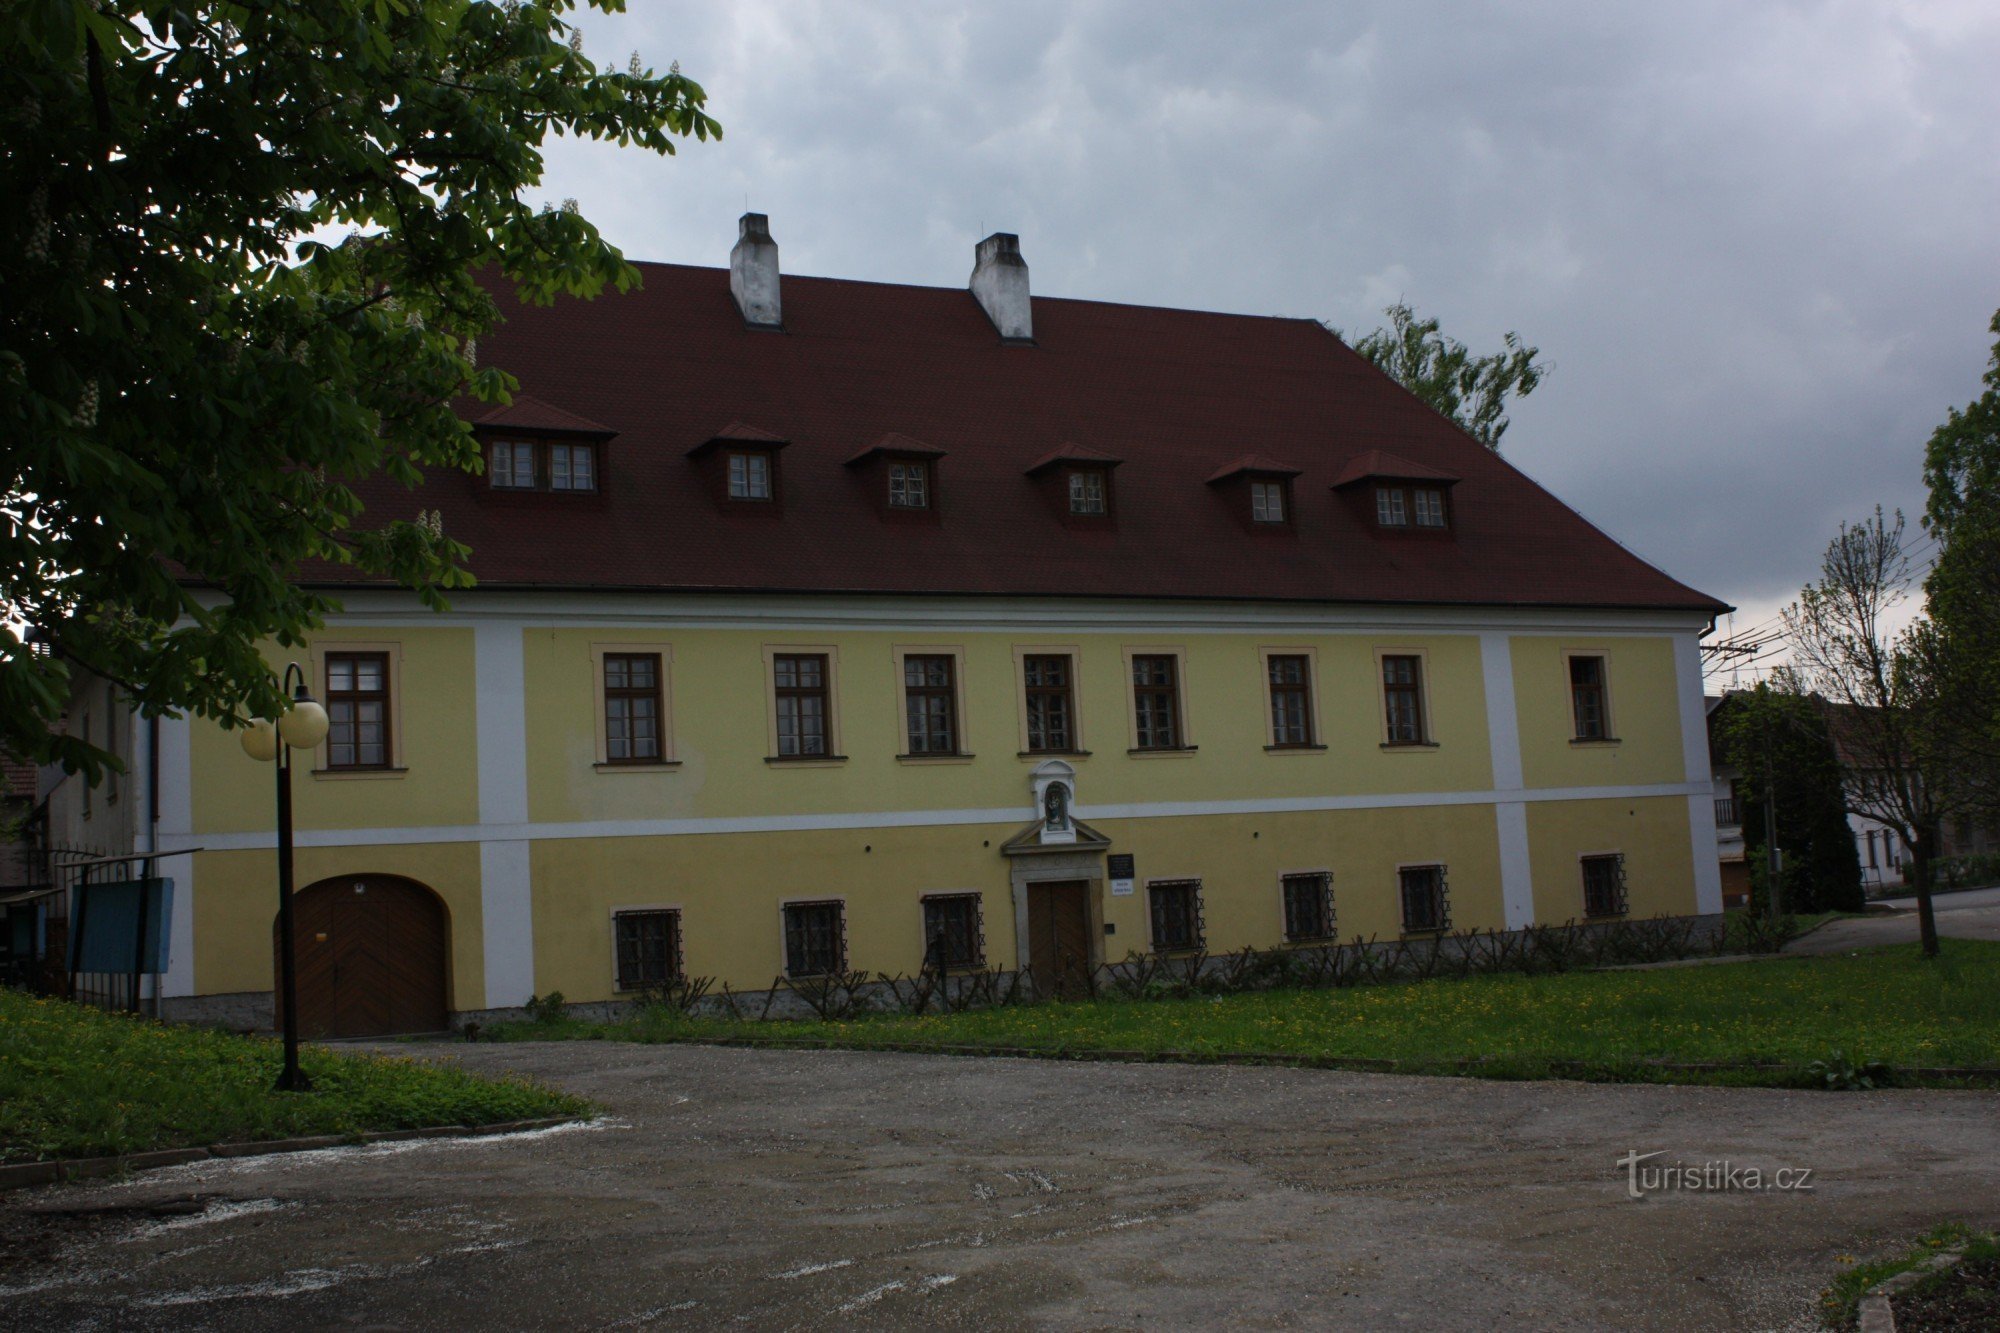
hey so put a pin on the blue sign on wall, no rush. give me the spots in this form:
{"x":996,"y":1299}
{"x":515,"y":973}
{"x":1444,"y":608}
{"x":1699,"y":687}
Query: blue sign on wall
{"x":104,"y":925}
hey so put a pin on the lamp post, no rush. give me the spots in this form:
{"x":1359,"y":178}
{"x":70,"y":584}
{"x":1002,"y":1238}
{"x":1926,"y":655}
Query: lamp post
{"x":302,"y":726}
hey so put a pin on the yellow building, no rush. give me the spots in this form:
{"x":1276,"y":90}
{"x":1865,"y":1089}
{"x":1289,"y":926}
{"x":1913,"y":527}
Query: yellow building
{"x":826,"y":625}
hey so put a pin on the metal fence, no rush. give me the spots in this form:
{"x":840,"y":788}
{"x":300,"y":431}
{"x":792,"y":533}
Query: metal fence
{"x":60,"y":903}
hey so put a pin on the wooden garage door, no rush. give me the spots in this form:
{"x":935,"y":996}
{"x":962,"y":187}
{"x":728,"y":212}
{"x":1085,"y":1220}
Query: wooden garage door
{"x":372,"y":955}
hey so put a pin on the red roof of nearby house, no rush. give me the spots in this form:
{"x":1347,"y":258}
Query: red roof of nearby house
{"x":1174,"y":394}
{"x":17,"y":779}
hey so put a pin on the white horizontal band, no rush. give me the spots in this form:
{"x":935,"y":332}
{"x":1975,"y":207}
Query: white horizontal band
{"x":1008,"y":816}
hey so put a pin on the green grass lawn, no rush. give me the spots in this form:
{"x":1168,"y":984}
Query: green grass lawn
{"x":1888,"y":1005}
{"x":75,"y":1082}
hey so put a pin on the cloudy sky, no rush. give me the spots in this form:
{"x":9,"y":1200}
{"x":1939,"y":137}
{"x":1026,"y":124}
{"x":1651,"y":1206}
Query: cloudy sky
{"x":1760,"y":243}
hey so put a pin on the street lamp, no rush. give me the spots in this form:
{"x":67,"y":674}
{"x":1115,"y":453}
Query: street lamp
{"x":302,"y":726}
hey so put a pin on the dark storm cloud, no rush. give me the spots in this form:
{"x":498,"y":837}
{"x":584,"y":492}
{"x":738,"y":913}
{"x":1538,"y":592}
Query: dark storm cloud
{"x":1757,"y":241}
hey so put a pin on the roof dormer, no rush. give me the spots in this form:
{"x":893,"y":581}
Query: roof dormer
{"x":740,"y":465}
{"x":900,"y":473}
{"x":1258,"y":491}
{"x":1077,"y":482}
{"x":1397,"y":497}
{"x":529,"y":447}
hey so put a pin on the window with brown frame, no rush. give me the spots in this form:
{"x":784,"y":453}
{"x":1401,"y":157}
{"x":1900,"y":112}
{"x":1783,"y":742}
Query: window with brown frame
{"x":909,"y":484}
{"x":1308,"y":907}
{"x":1403,"y":698}
{"x":529,"y":465}
{"x":1587,"y":698}
{"x":1426,"y":898}
{"x":1428,"y":502}
{"x":572,"y":467}
{"x":1089,"y":492}
{"x":1402,"y":506}
{"x":357,"y":710}
{"x":1291,"y":700}
{"x":511,"y":465}
{"x":1051,"y":704}
{"x":799,"y":681}
{"x":1267,"y":501}
{"x":1176,"y":914}
{"x":749,"y":474}
{"x":1604,"y":885}
{"x":632,"y":708}
{"x":1156,"y":702}
{"x":649,"y":948}
{"x":954,"y":934}
{"x":815,"y":939}
{"x":930,"y":704}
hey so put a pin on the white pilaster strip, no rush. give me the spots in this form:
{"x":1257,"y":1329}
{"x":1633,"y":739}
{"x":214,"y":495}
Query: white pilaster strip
{"x":1707,"y":864}
{"x":176,"y":768}
{"x":1694,"y":749}
{"x":1517,"y":875}
{"x":507,"y":912}
{"x":1503,"y":726}
{"x":1503,"y":737}
{"x":501,"y":696}
{"x":505,"y":886}
{"x":1694,"y":709}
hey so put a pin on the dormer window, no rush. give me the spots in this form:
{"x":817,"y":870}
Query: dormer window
{"x":1089,"y":492}
{"x":909,"y":485}
{"x":530,"y":465}
{"x":512,"y":466}
{"x":1389,"y":510}
{"x":1267,"y":501}
{"x":749,"y":474}
{"x":535,"y":446}
{"x":1410,"y":498}
{"x":1077,"y":483}
{"x":572,"y":467}
{"x":1403,"y":506}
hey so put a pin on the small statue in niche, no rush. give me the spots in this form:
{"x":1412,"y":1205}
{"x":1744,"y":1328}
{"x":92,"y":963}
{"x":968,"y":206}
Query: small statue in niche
{"x":1055,"y":808}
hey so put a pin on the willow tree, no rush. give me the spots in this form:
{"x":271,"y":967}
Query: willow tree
{"x":1472,"y":390}
{"x":239,"y":272}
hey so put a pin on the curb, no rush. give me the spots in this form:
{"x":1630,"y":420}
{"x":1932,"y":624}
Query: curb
{"x":1344,"y":1063}
{"x":1875,"y":1314}
{"x":23,"y":1175}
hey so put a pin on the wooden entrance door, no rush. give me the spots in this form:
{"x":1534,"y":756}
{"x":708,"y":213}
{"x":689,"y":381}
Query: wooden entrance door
{"x":371,"y":956}
{"x":1059,"y":936}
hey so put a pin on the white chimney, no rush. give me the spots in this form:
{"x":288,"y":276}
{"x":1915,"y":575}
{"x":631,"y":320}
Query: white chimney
{"x":753,"y":273}
{"x":1000,"y":281}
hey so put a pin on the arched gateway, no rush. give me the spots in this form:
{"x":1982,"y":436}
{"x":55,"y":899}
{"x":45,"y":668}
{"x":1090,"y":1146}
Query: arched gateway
{"x":373,"y":957}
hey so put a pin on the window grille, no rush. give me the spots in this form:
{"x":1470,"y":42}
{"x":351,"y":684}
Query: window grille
{"x":1426,"y":898}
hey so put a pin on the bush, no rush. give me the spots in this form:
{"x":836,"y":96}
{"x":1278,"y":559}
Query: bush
{"x":1968,"y":872}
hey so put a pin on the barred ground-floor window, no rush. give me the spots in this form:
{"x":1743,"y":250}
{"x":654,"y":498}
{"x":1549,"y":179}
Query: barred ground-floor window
{"x":1604,"y":885}
{"x":1176,"y":914}
{"x":1426,"y":898}
{"x":954,"y":936}
{"x":1308,"y":907}
{"x":648,"y":946}
{"x":815,"y":939}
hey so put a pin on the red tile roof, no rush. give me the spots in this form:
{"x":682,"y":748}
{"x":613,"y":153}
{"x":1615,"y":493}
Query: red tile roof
{"x":1070,"y":453}
{"x":1175,"y":394}
{"x":17,"y":779}
{"x":902,"y":446}
{"x":537,"y":417}
{"x":1389,"y":467}
{"x":1254,"y":465}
